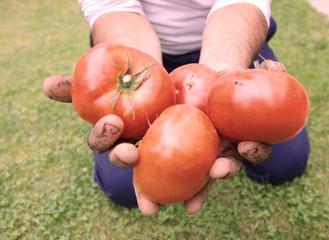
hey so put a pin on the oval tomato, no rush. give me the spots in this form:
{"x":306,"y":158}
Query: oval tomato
{"x":258,"y":105}
{"x":192,"y":83}
{"x":176,"y":154}
{"x":111,"y":78}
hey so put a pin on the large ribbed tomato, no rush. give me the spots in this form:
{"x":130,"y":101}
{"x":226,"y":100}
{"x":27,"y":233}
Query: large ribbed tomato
{"x":192,"y":83}
{"x":258,"y":105}
{"x":176,"y":154}
{"x":111,"y":78}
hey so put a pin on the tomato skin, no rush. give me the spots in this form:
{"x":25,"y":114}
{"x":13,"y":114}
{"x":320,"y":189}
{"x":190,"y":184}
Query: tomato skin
{"x":258,"y":105}
{"x":176,"y":154}
{"x":96,"y":80}
{"x":192,"y":83}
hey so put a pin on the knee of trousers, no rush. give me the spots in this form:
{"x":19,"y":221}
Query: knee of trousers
{"x":116,"y":183}
{"x":288,"y":161}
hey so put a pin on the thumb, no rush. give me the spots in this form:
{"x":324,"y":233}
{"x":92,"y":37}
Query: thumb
{"x":124,"y":155}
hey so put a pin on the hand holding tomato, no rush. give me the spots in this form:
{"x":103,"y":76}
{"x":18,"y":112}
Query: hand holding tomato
{"x":120,"y":80}
{"x":106,"y":135}
{"x":227,"y":164}
{"x":119,"y":89}
{"x":109,"y":128}
{"x":179,"y":158}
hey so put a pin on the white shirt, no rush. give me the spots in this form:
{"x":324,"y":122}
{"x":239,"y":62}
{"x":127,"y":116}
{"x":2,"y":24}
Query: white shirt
{"x":178,"y":23}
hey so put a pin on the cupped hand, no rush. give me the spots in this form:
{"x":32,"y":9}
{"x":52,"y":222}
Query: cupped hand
{"x":228,"y":164}
{"x":104,"y":136}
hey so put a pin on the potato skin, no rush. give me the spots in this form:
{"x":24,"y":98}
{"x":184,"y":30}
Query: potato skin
{"x":105,"y":133}
{"x":58,"y":88}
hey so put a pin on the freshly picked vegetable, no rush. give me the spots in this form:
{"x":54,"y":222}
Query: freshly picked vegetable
{"x":258,"y":105}
{"x":176,"y":154}
{"x":192,"y":83}
{"x":116,"y":79}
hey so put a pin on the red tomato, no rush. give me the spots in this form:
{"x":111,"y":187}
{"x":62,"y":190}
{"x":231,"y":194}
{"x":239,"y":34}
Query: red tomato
{"x":176,"y":154}
{"x":193,"y":82}
{"x":116,"y":79}
{"x":258,"y":105}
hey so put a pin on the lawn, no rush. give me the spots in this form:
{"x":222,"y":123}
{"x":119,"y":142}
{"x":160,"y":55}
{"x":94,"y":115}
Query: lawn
{"x":46,"y":169}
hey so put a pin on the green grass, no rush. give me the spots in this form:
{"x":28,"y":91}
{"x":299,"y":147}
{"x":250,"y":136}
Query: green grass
{"x":45,"y":192}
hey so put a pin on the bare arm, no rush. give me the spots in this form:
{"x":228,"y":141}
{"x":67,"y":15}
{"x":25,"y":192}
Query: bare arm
{"x":233,"y":36}
{"x":127,"y":28}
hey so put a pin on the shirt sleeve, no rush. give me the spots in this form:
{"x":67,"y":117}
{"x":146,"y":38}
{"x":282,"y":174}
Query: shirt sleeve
{"x":263,"y":5}
{"x":92,"y":9}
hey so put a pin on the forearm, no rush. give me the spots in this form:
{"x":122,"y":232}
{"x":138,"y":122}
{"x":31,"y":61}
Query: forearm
{"x":233,"y":36}
{"x":129,"y":29}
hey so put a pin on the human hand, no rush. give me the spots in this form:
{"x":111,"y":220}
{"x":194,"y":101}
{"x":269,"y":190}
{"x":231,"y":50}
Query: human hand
{"x":227,"y":165}
{"x":106,"y":132}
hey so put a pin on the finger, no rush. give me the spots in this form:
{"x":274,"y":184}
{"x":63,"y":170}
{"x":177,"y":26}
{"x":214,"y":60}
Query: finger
{"x":146,"y":206}
{"x":195,"y":204}
{"x":255,"y":152}
{"x":273,"y":66}
{"x":105,"y":133}
{"x":124,"y":155}
{"x":226,"y":167}
{"x":228,"y":148}
{"x":58,"y":88}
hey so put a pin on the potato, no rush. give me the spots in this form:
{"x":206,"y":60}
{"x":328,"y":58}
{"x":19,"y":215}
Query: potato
{"x":105,"y":133}
{"x":124,"y":155}
{"x":58,"y":88}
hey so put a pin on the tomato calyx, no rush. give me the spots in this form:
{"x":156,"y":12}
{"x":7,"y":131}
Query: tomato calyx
{"x":128,"y":83}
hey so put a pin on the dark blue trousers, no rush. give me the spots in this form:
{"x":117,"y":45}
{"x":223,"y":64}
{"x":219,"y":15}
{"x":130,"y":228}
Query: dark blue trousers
{"x":288,"y":161}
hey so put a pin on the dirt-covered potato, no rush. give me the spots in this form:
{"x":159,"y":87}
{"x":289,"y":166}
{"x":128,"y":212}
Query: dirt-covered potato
{"x":105,"y":133}
{"x":58,"y":88}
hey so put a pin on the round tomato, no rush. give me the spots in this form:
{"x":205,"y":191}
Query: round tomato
{"x":258,"y":105}
{"x":176,"y":154}
{"x":192,"y":83}
{"x":111,"y":78}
